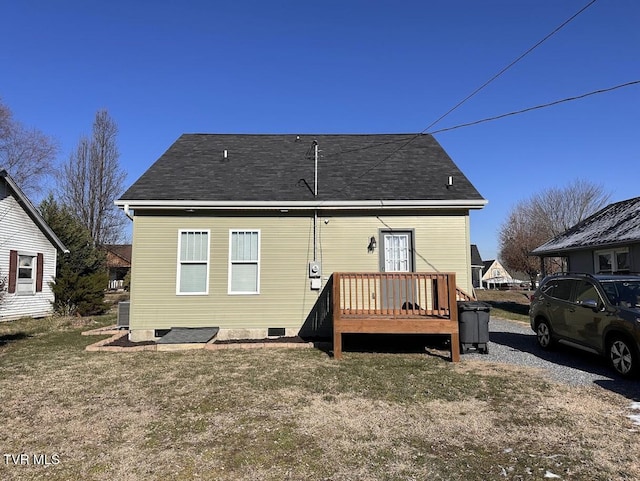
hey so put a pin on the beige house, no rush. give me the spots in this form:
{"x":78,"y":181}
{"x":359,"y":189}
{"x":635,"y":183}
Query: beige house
{"x":495,"y":275}
{"x":242,"y":232}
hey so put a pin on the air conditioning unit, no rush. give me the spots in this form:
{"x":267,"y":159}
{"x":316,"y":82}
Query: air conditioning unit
{"x":123,"y":314}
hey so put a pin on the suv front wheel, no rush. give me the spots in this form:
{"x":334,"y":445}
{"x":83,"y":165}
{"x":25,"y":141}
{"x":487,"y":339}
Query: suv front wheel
{"x":622,"y":356}
{"x":543,"y":334}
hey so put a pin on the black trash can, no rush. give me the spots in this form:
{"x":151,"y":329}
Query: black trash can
{"x":473,"y":323}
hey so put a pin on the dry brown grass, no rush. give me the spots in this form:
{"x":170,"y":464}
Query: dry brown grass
{"x":512,"y":304}
{"x":297,"y":414}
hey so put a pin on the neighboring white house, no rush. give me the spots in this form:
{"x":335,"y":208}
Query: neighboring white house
{"x":495,"y":275}
{"x":28,"y":255}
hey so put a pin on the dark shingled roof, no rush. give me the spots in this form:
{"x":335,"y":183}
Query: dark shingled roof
{"x":270,"y":168}
{"x":616,"y":224}
{"x":476,"y":260}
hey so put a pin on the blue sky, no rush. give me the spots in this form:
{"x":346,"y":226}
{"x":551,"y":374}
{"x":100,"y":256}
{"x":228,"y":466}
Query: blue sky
{"x":165,"y":68}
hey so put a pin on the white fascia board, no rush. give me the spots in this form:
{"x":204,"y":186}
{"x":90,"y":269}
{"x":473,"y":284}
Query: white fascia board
{"x":299,"y":205}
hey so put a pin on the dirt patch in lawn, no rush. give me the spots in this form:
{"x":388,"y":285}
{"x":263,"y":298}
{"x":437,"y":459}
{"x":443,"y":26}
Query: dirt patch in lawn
{"x":124,"y":341}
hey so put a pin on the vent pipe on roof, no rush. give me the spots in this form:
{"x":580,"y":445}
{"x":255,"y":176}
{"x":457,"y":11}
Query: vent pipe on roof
{"x":450,"y":181}
{"x":225,"y":154}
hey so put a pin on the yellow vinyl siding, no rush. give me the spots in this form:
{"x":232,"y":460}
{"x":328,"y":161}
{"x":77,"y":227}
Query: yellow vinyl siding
{"x":440,"y":243}
{"x":284,"y":297}
{"x":286,"y":247}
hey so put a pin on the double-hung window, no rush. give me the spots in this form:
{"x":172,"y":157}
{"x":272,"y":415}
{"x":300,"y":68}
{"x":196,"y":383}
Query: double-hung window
{"x":26,"y":274}
{"x":244,"y":262}
{"x":193,"y":262}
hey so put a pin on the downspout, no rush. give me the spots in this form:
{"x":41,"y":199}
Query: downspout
{"x":127,"y":212}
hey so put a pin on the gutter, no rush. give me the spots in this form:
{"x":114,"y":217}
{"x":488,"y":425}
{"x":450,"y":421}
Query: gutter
{"x":127,"y":205}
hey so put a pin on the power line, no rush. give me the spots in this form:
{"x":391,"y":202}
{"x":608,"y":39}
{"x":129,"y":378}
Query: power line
{"x":542,"y":106}
{"x":531,"y":49}
{"x":489,"y":119}
{"x":527,"y":52}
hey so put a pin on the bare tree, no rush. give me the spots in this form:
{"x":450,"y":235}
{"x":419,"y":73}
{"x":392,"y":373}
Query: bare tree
{"x":519,"y":235}
{"x":534,"y":221}
{"x":562,"y":208}
{"x":92,"y":179}
{"x":27,"y":154}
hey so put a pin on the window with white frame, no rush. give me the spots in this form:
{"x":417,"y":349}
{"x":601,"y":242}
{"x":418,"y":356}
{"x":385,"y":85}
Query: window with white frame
{"x":193,"y":262}
{"x":26,"y":274}
{"x":244,"y":262}
{"x":613,"y":260}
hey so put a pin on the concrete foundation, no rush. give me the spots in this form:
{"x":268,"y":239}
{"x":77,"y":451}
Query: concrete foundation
{"x":138,"y":335}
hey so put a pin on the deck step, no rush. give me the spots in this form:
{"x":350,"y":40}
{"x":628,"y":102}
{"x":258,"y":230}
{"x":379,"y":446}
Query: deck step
{"x":189,"y":335}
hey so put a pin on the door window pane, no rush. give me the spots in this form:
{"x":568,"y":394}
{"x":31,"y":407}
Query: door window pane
{"x":396,"y":253}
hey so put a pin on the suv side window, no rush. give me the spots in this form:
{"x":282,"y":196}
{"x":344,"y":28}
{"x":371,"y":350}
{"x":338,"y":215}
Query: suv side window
{"x":562,"y":289}
{"x":587,"y":291}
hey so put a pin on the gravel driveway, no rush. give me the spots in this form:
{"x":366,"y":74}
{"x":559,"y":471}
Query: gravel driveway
{"x":515,"y":343}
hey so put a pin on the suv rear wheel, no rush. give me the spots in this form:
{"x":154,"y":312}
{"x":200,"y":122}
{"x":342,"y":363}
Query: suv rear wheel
{"x":543,"y":334}
{"x":622,"y":356}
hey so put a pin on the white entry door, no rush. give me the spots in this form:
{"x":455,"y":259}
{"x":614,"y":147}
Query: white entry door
{"x":397,"y":251}
{"x":397,"y":257}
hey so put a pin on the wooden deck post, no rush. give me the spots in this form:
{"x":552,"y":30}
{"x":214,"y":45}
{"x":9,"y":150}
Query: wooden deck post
{"x":337,"y":311}
{"x":453,"y":315}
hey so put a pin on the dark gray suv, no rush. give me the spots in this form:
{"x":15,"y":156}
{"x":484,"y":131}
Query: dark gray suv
{"x":598,"y":313}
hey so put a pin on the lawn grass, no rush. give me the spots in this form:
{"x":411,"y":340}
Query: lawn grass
{"x":513,"y":305}
{"x":274,"y":414}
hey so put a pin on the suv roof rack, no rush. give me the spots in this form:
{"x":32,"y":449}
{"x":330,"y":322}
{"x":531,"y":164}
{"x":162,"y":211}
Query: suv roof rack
{"x":593,"y":276}
{"x":569,"y":273}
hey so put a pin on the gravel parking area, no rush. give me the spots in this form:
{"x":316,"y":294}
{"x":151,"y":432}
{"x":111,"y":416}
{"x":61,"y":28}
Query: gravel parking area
{"x":514,"y":343}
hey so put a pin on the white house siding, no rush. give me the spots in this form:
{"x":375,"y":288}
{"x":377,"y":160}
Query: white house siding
{"x":285,"y":299}
{"x":19,"y":232}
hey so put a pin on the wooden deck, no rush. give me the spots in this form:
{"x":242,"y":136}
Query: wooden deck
{"x":396,"y":303}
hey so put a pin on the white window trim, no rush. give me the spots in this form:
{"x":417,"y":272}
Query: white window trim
{"x":230,"y":266}
{"x":179,"y":262}
{"x":614,"y":259}
{"x":34,"y":274}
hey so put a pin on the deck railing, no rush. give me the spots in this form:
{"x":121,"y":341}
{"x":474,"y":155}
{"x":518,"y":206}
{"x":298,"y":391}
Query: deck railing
{"x":402,"y":294}
{"x":395,"y":303}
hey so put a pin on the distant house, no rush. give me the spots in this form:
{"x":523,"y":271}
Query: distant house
{"x":495,"y":276}
{"x":243,"y":232}
{"x":606,"y":242}
{"x":118,"y":264}
{"x":28,"y":255}
{"x":477,"y":266}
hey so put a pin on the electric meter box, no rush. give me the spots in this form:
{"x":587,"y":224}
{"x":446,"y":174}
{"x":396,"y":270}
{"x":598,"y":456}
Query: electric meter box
{"x":314,"y":270}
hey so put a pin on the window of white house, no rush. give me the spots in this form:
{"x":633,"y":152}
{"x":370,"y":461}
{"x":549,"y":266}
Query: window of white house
{"x":244,"y":262}
{"x":26,"y":274}
{"x":193,"y":262}
{"x":614,"y":260}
